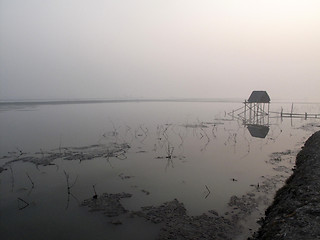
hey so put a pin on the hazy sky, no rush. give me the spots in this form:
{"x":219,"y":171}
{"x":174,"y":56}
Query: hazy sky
{"x":159,"y":48}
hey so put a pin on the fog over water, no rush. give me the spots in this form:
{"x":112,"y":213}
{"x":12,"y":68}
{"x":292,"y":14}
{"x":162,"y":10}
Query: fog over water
{"x":159,"y":49}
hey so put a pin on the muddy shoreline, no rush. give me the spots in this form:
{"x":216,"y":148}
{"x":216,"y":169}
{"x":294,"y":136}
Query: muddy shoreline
{"x":295,"y":211}
{"x":296,"y":204}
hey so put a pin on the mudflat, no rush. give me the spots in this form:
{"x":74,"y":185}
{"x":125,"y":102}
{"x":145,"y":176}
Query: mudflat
{"x":295,"y":212}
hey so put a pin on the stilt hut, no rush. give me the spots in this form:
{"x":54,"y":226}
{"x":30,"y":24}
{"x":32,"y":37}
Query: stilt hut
{"x":256,"y":114}
{"x":258,"y":119}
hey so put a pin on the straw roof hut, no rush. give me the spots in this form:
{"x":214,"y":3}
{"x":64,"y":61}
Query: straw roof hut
{"x":259,"y":97}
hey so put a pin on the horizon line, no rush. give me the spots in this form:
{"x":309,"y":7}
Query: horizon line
{"x":114,"y":100}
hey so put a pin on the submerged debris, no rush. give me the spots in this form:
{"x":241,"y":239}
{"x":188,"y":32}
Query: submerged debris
{"x":172,"y":215}
{"x":164,"y":212}
{"x":196,"y":125}
{"x":123,"y":177}
{"x":178,"y":225}
{"x":310,"y":127}
{"x":109,"y":204}
{"x":74,"y":153}
{"x":145,"y":192}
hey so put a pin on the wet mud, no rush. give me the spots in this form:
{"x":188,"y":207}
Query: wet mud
{"x":46,"y":158}
{"x":172,"y":216}
{"x":177,"y":224}
{"x":295,"y":211}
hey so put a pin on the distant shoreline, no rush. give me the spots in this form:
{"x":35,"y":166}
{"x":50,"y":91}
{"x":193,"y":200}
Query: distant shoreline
{"x":81,"y":101}
{"x":88,"y":101}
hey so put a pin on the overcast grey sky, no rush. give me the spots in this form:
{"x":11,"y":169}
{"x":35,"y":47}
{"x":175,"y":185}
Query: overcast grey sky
{"x":159,"y":48}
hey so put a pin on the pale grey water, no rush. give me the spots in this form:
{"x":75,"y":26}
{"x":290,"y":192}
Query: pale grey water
{"x":209,"y":148}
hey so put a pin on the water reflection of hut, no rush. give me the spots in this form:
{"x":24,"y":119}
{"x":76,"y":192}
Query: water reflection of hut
{"x":258,"y":131}
{"x":258,"y":120}
{"x":255,"y":113}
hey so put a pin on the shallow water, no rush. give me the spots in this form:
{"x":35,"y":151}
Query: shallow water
{"x":193,"y":151}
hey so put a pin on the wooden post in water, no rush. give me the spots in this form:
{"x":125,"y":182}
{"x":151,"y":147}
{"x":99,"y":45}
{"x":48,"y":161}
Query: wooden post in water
{"x":250,"y":114}
{"x":245,"y":109}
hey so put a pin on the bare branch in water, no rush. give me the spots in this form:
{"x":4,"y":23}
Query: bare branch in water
{"x":95,"y":196}
{"x":208,"y":191}
{"x":69,"y":188}
{"x":30,"y":180}
{"x":12,"y":178}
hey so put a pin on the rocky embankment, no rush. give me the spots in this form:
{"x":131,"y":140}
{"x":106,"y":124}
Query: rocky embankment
{"x":295,"y":212}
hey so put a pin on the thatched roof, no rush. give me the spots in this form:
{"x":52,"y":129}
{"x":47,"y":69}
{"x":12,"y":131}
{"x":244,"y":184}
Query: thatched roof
{"x":259,"y":97}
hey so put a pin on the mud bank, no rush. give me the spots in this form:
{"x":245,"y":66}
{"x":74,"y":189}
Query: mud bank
{"x":295,"y":211}
{"x":172,"y":216}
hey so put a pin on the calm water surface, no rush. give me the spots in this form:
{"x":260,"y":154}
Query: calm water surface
{"x":207,"y":146}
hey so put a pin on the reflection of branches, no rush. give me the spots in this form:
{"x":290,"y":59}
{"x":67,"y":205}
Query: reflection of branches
{"x":69,"y":188}
{"x":95,"y":196}
{"x":169,"y":151}
{"x":12,"y":178}
{"x":248,"y":151}
{"x":68,"y":184}
{"x":68,"y":200}
{"x":213,"y":129}
{"x":141,"y":133}
{"x":164,"y":133}
{"x":31,"y":183}
{"x":232,"y":138}
{"x":169,"y":163}
{"x":182,"y":141}
{"x":180,"y":136}
{"x":121,"y":156}
{"x":162,"y":136}
{"x":117,"y":154}
{"x":145,"y":131}
{"x":169,"y":157}
{"x":154,"y":147}
{"x":108,"y":160}
{"x":158,"y":132}
{"x":205,"y":146}
{"x":20,"y":151}
{"x":60,"y":143}
{"x":275,"y":138}
{"x":208,"y":191}
{"x":114,"y":133}
{"x":143,"y":139}
{"x":25,"y":204}
{"x":208,"y":140}
{"x":128,"y":130}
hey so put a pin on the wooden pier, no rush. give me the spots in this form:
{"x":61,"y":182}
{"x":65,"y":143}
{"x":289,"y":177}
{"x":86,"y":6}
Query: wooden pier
{"x":298,"y":115}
